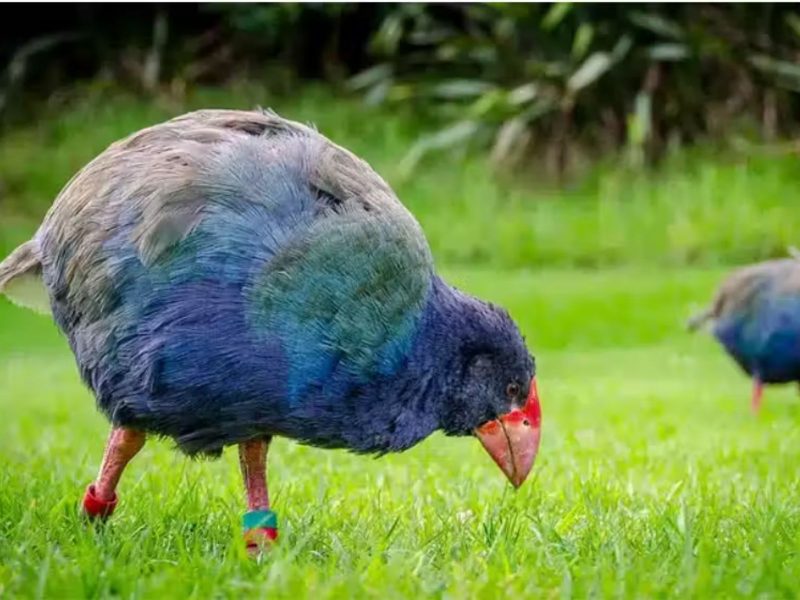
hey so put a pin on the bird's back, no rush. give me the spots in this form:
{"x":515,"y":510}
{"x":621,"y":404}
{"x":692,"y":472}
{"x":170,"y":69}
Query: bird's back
{"x":215,"y":268}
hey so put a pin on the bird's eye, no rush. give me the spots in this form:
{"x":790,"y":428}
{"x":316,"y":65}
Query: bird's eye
{"x":512,"y":390}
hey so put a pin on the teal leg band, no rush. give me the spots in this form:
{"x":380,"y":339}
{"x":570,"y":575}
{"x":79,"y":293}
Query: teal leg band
{"x":256,"y":519}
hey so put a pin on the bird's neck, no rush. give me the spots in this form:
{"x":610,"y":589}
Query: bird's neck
{"x":393,"y":412}
{"x":413,"y":398}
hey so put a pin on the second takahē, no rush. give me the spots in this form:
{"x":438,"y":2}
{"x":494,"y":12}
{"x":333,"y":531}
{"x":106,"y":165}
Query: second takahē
{"x":229,"y":276}
{"x":756,"y":318}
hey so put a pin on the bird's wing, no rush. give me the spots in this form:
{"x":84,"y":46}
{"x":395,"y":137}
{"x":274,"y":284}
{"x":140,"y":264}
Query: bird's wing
{"x":160,"y":183}
{"x":324,"y":258}
{"x":348,"y":280}
{"x":346,"y":295}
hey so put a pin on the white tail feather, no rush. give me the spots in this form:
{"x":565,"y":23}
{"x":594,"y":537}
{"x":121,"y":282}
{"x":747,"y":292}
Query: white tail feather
{"x":21,"y":279}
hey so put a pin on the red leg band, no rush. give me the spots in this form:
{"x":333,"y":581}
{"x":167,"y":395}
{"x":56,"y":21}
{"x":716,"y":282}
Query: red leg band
{"x":96,"y":508}
{"x":260,"y":536}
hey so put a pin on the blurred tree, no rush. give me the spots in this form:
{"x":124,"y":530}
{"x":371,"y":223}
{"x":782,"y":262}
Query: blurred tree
{"x":556,"y":79}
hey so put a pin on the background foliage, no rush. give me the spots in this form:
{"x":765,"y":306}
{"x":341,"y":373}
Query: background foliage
{"x":559,"y":82}
{"x":696,"y":208}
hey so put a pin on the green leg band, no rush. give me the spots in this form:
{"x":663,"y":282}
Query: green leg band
{"x":256,"y":519}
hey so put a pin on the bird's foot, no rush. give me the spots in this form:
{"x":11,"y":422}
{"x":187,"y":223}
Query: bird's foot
{"x":100,"y":498}
{"x":260,"y":530}
{"x":96,"y":508}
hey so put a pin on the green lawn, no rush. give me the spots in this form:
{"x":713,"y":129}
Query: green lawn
{"x":654,"y":480}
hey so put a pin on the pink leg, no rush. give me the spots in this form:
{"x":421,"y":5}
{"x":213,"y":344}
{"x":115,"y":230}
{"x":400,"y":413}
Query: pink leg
{"x":260,"y":523}
{"x":758,"y":392}
{"x":100,"y":499}
{"x":253,"y":461}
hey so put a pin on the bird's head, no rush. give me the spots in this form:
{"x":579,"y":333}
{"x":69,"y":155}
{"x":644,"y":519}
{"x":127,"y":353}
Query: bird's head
{"x":495,"y":396}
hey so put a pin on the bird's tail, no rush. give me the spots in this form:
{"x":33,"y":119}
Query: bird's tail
{"x":21,"y":278}
{"x":700,"y":319}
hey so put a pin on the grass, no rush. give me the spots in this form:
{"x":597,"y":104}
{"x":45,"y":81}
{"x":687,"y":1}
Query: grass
{"x":654,"y":480}
{"x":612,"y":217}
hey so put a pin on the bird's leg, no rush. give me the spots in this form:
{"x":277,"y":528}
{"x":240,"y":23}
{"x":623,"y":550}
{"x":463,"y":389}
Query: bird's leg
{"x":758,"y":392}
{"x":100,"y":498}
{"x":259,"y":522}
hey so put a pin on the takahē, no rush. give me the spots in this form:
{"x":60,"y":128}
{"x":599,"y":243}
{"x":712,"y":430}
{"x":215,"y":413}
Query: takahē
{"x":756,"y":318}
{"x":228,"y":276}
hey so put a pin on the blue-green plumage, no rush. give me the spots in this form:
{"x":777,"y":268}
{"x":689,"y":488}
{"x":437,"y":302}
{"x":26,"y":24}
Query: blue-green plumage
{"x":229,"y":275}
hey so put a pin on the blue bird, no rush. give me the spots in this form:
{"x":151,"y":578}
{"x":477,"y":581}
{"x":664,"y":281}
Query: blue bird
{"x":755,"y":316}
{"x":229,"y":276}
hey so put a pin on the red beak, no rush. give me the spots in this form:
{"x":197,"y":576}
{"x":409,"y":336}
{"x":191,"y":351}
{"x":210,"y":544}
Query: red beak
{"x":513,"y":439}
